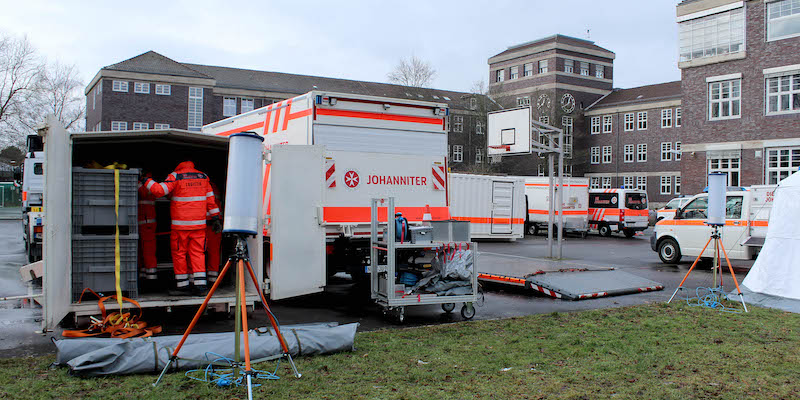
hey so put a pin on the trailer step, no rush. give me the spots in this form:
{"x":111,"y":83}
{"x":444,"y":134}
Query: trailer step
{"x":578,"y":284}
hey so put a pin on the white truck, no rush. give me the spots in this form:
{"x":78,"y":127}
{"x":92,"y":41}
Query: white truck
{"x":747,"y":216}
{"x":32,"y":195}
{"x":493,"y":205}
{"x":575,"y":204}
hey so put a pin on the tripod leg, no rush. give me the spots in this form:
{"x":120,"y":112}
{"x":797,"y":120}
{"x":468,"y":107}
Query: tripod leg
{"x":690,"y":270}
{"x":194,"y":320}
{"x":736,"y":282}
{"x":243,"y":305}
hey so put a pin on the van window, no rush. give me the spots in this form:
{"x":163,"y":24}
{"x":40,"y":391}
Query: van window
{"x":673,"y":204}
{"x":696,"y":209}
{"x":603,"y":200}
{"x":733,"y":207}
{"x":37,"y":168}
{"x":636,"y":201}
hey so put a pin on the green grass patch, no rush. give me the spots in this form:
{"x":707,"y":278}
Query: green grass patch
{"x":644,"y":352}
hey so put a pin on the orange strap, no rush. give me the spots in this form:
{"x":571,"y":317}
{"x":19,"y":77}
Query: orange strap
{"x":116,"y":324}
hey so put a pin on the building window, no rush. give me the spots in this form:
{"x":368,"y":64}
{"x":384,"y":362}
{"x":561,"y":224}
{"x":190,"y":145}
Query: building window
{"x":628,"y":151}
{"x":783,"y":94}
{"x":724,"y":99}
{"x":569,"y":66}
{"x":666,"y":118}
{"x":781,"y":163}
{"x":228,"y":106}
{"x":607,"y":155}
{"x":473,"y":103}
{"x":499,"y":75}
{"x":97,"y":127}
{"x":540,"y":170}
{"x":728,"y":166}
{"x":606,"y":182}
{"x":119,"y":126}
{"x":607,"y":124}
{"x":595,"y":155}
{"x":247,"y":105}
{"x":627,"y":182}
{"x":568,"y":170}
{"x":666,"y":151}
{"x":163,"y":90}
{"x":478,"y":156}
{"x":543,"y":66}
{"x":595,"y":125}
{"x":458,"y":153}
{"x":527,"y":69}
{"x":566,"y":123}
{"x":641,"y":152}
{"x":140,"y":125}
{"x":713,"y":35}
{"x":594,"y":182}
{"x":641,"y":183}
{"x":641,"y":119}
{"x":677,"y":151}
{"x":544,"y":119}
{"x":524,"y":101}
{"x":458,"y":123}
{"x":94,"y":98}
{"x":599,"y":71}
{"x":678,"y":117}
{"x":677,"y":185}
{"x":479,"y":127}
{"x":629,"y":122}
{"x":195,"y":108}
{"x":119,"y":86}
{"x":141,"y":87}
{"x":514,"y":73}
{"x":783,"y":19}
{"x":666,"y":185}
{"x":584,"y":68}
{"x":160,"y":126}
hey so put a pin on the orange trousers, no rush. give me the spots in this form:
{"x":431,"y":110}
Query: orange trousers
{"x":213,"y":244}
{"x":188,"y":254}
{"x":147,"y":250}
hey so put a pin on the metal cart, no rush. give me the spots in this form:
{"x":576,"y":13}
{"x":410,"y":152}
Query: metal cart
{"x":387,"y":292}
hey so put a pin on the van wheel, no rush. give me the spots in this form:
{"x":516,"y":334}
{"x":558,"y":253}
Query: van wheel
{"x":629,"y":233}
{"x":669,"y":252}
{"x":605,"y":230}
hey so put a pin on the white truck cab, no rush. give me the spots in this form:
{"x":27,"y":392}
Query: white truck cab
{"x":32,"y":197}
{"x":685,"y":234}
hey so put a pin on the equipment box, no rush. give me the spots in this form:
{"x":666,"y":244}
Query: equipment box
{"x":93,"y":264}
{"x":93,"y":201}
{"x":420,"y":234}
{"x":451,"y":231}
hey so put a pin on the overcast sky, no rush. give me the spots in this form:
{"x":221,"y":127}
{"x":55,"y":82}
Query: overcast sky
{"x":360,"y":40}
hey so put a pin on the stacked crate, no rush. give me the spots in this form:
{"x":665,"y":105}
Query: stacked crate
{"x":93,"y":228}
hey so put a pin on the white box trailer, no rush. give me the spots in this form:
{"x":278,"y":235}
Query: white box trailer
{"x":575,"y":204}
{"x":329,"y":154}
{"x":494,"y":205}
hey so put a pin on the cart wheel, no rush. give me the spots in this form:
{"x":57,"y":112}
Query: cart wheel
{"x":401,"y":314}
{"x":468,"y":311}
{"x":448,"y":307}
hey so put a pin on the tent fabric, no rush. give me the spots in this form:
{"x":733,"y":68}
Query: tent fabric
{"x":776,"y":271}
{"x":765,"y":300}
{"x":100,"y":356}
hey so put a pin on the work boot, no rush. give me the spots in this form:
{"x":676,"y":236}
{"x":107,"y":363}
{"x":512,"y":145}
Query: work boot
{"x":183,"y":291}
{"x":200,"y":290}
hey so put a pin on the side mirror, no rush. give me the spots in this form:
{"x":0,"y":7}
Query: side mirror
{"x":17,"y":174}
{"x":678,"y":214}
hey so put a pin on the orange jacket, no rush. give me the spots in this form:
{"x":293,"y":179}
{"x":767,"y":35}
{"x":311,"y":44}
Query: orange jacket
{"x":192,"y":199}
{"x":147,"y":205}
{"x":217,"y":198}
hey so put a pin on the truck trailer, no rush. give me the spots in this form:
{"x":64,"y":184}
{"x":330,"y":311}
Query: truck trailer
{"x":575,"y":204}
{"x":493,"y":205}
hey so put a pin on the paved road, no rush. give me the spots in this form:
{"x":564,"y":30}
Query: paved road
{"x":339,"y":303}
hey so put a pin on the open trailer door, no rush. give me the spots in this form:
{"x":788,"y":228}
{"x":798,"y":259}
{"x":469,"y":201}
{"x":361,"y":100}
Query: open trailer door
{"x":297,"y":235}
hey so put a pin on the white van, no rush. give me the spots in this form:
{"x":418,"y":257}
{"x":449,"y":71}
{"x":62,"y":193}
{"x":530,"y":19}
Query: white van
{"x":669,"y":209}
{"x":618,"y":210}
{"x":685,"y":234}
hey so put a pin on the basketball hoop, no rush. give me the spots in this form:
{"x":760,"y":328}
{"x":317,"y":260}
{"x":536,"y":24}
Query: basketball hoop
{"x":504,"y":147}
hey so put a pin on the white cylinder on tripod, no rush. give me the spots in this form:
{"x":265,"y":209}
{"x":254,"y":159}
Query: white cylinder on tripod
{"x":717,"y":186}
{"x":243,"y":188}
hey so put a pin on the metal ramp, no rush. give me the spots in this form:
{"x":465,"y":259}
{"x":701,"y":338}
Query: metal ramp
{"x":578,"y":284}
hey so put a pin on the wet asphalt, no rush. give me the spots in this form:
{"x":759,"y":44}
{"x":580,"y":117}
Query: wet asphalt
{"x":341,"y":303}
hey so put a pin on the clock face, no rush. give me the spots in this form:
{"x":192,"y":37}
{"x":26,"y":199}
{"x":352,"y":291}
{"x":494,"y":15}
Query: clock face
{"x":567,"y":103}
{"x":543,"y":102}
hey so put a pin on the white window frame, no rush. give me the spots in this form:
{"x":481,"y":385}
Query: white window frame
{"x":544,"y":119}
{"x":630,"y":122}
{"x":699,"y":37}
{"x":500,"y":75}
{"x":245,"y":101}
{"x":527,"y":69}
{"x":728,"y":166}
{"x":141,"y":87}
{"x":163,"y":89}
{"x":628,"y":182}
{"x":458,"y":153}
{"x":678,"y":117}
{"x":479,"y":127}
{"x":195,"y":109}
{"x":792,"y":15}
{"x":160,"y":126}
{"x":606,"y":183}
{"x":780,"y":163}
{"x":629,"y":152}
{"x":594,"y":182}
{"x":788,"y":93}
{"x":599,"y":71}
{"x":594,"y":157}
{"x":641,"y":121}
{"x":666,"y":151}
{"x":595,"y":125}
{"x":666,"y":118}
{"x":666,"y":185}
{"x":569,"y":66}
{"x":478,"y":156}
{"x":568,"y":170}
{"x":641,"y":183}
{"x":94,"y":98}
{"x":641,"y":152}
{"x":473,"y":103}
{"x":97,"y":127}
{"x":119,"y":86}
{"x":540,"y":170}
{"x":140,"y":126}
{"x":677,"y":149}
{"x":567,"y":125}
{"x":514,"y":74}
{"x":228,"y":106}
{"x":584,"y":68}
{"x":119,"y":126}
{"x":718,"y":103}
{"x":608,"y":124}
{"x":543,"y":66}
{"x":524,"y":101}
{"x":458,"y":123}
{"x":677,"y":185}
{"x":608,"y":154}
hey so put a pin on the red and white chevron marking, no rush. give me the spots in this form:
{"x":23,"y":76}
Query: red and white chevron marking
{"x":546,"y":291}
{"x":330,"y":173}
{"x":438,"y":176}
{"x":650,"y":288}
{"x":593,"y":295}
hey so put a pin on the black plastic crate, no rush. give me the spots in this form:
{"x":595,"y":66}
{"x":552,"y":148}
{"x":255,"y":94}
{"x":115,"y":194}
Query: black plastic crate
{"x":93,"y":264}
{"x":93,"y":201}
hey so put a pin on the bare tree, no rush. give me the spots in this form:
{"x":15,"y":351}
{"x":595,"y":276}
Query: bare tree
{"x":58,"y":91}
{"x":413,"y":72}
{"x":19,"y":70}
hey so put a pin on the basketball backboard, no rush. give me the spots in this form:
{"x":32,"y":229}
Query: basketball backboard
{"x":509,"y":132}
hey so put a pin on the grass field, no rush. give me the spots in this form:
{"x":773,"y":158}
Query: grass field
{"x":643,"y":352}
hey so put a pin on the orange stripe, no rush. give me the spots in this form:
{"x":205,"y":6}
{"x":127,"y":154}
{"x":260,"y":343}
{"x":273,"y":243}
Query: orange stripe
{"x":479,"y":220}
{"x":300,"y":114}
{"x":566,"y":212}
{"x":286,"y":116}
{"x":277,"y":116}
{"x":362,"y":214}
{"x":699,"y":222}
{"x":371,"y":115}
{"x":266,"y":119}
{"x":241,"y":129}
{"x":759,"y":223}
{"x":501,"y":278}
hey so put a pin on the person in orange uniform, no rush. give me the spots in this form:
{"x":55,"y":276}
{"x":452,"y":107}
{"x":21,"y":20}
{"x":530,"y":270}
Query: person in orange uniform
{"x":191,"y":204}
{"x":147,"y":235}
{"x":213,"y":242}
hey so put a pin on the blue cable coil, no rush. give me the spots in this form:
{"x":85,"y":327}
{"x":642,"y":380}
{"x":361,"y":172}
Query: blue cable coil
{"x":224,"y":377}
{"x":713,"y":299}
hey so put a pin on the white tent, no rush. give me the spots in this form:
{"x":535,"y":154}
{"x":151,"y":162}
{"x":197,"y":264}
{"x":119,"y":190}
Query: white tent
{"x":776,"y":271}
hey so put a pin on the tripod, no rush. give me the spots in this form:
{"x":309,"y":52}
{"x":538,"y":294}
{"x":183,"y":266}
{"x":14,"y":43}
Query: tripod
{"x":716,"y":237}
{"x":242,"y":260}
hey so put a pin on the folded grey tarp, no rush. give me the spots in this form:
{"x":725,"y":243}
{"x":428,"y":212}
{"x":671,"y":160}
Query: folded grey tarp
{"x":101,"y":356}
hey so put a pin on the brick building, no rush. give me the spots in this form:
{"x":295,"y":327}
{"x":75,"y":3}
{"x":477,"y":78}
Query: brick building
{"x":151,"y":91}
{"x":740,"y":66}
{"x":632,"y":140}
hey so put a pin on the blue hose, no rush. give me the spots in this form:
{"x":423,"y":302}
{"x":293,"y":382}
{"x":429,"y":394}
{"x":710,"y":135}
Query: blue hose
{"x":713,"y":299}
{"x":224,"y":377}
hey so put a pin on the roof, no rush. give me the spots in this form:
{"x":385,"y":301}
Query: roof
{"x":557,"y":38}
{"x":154,"y":63}
{"x":641,"y":94}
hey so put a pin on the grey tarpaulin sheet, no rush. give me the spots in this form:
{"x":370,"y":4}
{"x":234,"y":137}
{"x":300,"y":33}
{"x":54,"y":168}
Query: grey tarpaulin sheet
{"x":575,"y":285}
{"x":96,"y":356}
{"x":766,"y":300}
